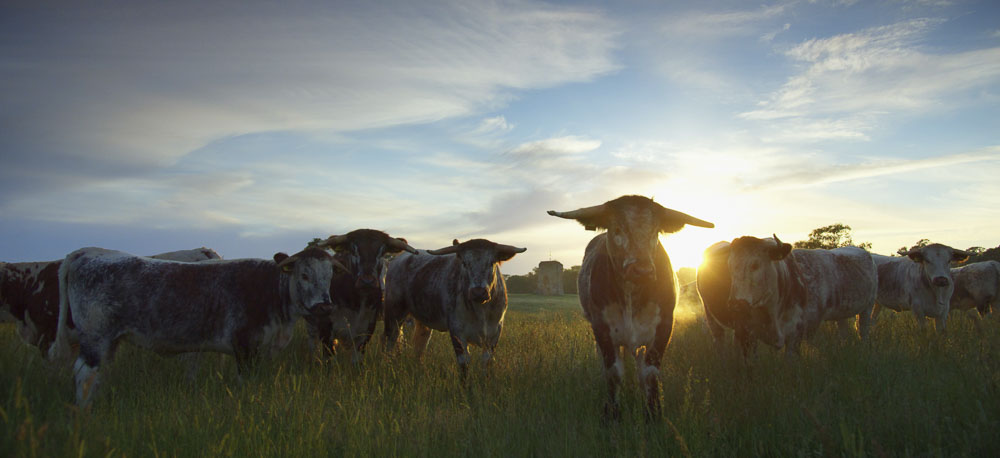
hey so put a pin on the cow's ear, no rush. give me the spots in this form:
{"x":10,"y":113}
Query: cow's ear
{"x":780,"y":252}
{"x":284,"y":261}
{"x":278,"y":257}
{"x":915,"y":256}
{"x":959,"y":256}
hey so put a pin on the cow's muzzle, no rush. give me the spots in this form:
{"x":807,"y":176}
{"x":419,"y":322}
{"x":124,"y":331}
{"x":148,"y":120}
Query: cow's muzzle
{"x":479,"y":295}
{"x":367,"y":281}
{"x":940,"y":282}
{"x":321,"y":309}
{"x":640,"y":272}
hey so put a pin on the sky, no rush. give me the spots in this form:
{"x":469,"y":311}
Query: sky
{"x":253,"y":127}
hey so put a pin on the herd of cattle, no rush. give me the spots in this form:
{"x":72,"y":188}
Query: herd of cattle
{"x":194,"y":301}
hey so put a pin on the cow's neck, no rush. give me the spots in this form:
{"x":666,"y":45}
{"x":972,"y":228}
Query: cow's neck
{"x":286,"y":311}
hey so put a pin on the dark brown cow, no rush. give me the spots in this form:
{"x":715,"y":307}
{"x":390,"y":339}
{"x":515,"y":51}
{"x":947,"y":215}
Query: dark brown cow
{"x":357,"y":295}
{"x":29,"y":293}
{"x":714,"y":283}
{"x":628,"y":289}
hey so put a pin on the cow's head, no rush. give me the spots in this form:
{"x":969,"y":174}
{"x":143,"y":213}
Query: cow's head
{"x":935,"y":267}
{"x":366,"y":252}
{"x":633,"y":224}
{"x":479,"y":259}
{"x":754,"y":273}
{"x":308,"y":274}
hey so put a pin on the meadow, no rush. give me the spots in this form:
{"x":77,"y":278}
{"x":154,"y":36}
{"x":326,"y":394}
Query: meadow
{"x":904,"y":393}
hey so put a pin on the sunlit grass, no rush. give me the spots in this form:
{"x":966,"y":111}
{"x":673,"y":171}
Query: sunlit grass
{"x":904,"y":393}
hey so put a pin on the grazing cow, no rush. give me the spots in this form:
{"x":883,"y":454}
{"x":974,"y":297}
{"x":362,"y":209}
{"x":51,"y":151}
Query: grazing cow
{"x":463,"y":294}
{"x":240,"y":307}
{"x":357,"y":295}
{"x":977,"y":286}
{"x":784,"y":294}
{"x":920,"y":280}
{"x":714,"y":286}
{"x":628,"y":289}
{"x":29,"y":292}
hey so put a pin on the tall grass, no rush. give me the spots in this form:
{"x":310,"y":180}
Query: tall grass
{"x":904,"y":393}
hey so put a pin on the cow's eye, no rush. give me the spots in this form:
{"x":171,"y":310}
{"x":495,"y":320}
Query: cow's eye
{"x":305,"y":277}
{"x":754,"y":266}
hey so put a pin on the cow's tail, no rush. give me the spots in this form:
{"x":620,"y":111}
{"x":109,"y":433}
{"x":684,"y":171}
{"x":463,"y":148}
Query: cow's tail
{"x":61,"y":348}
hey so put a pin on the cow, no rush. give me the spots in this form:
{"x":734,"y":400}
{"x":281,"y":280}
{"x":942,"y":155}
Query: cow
{"x":464,"y":294}
{"x":713,"y":282}
{"x":29,"y":293}
{"x":628,"y":289}
{"x":919,"y":280}
{"x":977,"y":286}
{"x":783,"y":294}
{"x":356,"y":296}
{"x":240,"y":307}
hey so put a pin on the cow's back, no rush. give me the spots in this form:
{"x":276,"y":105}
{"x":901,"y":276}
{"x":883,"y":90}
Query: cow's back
{"x":839,"y":283}
{"x":977,"y":285}
{"x":423,"y":285}
{"x":170,"y":305}
{"x":898,"y":281}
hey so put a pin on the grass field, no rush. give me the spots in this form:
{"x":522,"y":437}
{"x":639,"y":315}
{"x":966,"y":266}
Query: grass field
{"x":905,"y":393}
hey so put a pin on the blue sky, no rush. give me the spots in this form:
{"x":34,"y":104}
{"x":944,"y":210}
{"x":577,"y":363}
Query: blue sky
{"x":254,"y":127}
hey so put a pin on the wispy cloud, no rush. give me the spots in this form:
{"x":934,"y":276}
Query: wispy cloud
{"x":851,"y":80}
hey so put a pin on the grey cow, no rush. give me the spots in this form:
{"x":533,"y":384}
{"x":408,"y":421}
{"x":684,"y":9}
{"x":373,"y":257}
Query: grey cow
{"x":628,"y":289}
{"x":29,"y":293}
{"x":977,"y":286}
{"x":785,"y":294}
{"x":464,"y":294}
{"x":240,"y":307}
{"x":920,"y":281}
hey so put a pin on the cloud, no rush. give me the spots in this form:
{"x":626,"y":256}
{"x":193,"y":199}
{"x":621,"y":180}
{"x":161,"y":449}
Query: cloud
{"x":851,"y":80}
{"x":556,"y":147}
{"x":137,"y":89}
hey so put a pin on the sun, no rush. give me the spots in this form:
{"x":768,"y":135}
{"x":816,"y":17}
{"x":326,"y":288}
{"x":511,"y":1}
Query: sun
{"x":728,"y":213}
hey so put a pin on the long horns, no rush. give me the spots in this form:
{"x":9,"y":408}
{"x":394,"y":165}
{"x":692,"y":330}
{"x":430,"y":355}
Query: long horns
{"x":586,"y":212}
{"x":400,"y":244}
{"x":684,"y":217}
{"x":447,"y":250}
{"x":332,"y":241}
{"x":500,"y":248}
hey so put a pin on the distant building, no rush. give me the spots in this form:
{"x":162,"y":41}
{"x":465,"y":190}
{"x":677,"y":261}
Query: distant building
{"x":550,"y":278}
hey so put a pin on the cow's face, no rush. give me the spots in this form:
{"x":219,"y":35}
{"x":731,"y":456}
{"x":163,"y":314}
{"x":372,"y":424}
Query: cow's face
{"x":308,"y":274}
{"x":479,"y":260}
{"x":935,"y":267}
{"x":633,"y":224}
{"x":366,"y":253}
{"x":754,"y":274}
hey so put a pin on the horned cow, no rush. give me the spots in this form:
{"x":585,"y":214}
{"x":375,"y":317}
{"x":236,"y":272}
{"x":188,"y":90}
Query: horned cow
{"x":357,"y":295}
{"x":783,"y":295}
{"x":464,"y":294}
{"x":628,"y":289}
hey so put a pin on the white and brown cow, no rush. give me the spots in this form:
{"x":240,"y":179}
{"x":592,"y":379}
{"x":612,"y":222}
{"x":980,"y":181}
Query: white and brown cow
{"x":464,"y":294}
{"x":977,"y":286}
{"x":240,"y":307}
{"x":784,"y":294}
{"x":356,"y":296}
{"x":29,"y":293}
{"x":920,"y":280}
{"x":628,"y":289}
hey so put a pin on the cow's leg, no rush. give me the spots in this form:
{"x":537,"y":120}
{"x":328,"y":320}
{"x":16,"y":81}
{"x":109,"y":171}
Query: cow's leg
{"x":747,"y":343}
{"x":360,"y":342}
{"x":718,"y":332}
{"x":864,"y":324}
{"x":844,"y":327}
{"x":85,"y":370}
{"x":876,"y":309}
{"x":421,"y":337}
{"x":614,"y":369}
{"x":941,"y":321}
{"x":461,"y":348}
{"x":649,"y":370}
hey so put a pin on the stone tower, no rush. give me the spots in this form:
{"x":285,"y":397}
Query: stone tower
{"x":550,"y":278}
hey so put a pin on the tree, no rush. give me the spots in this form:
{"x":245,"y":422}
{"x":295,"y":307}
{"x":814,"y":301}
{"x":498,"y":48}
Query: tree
{"x":569,"y":277}
{"x":829,"y":237}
